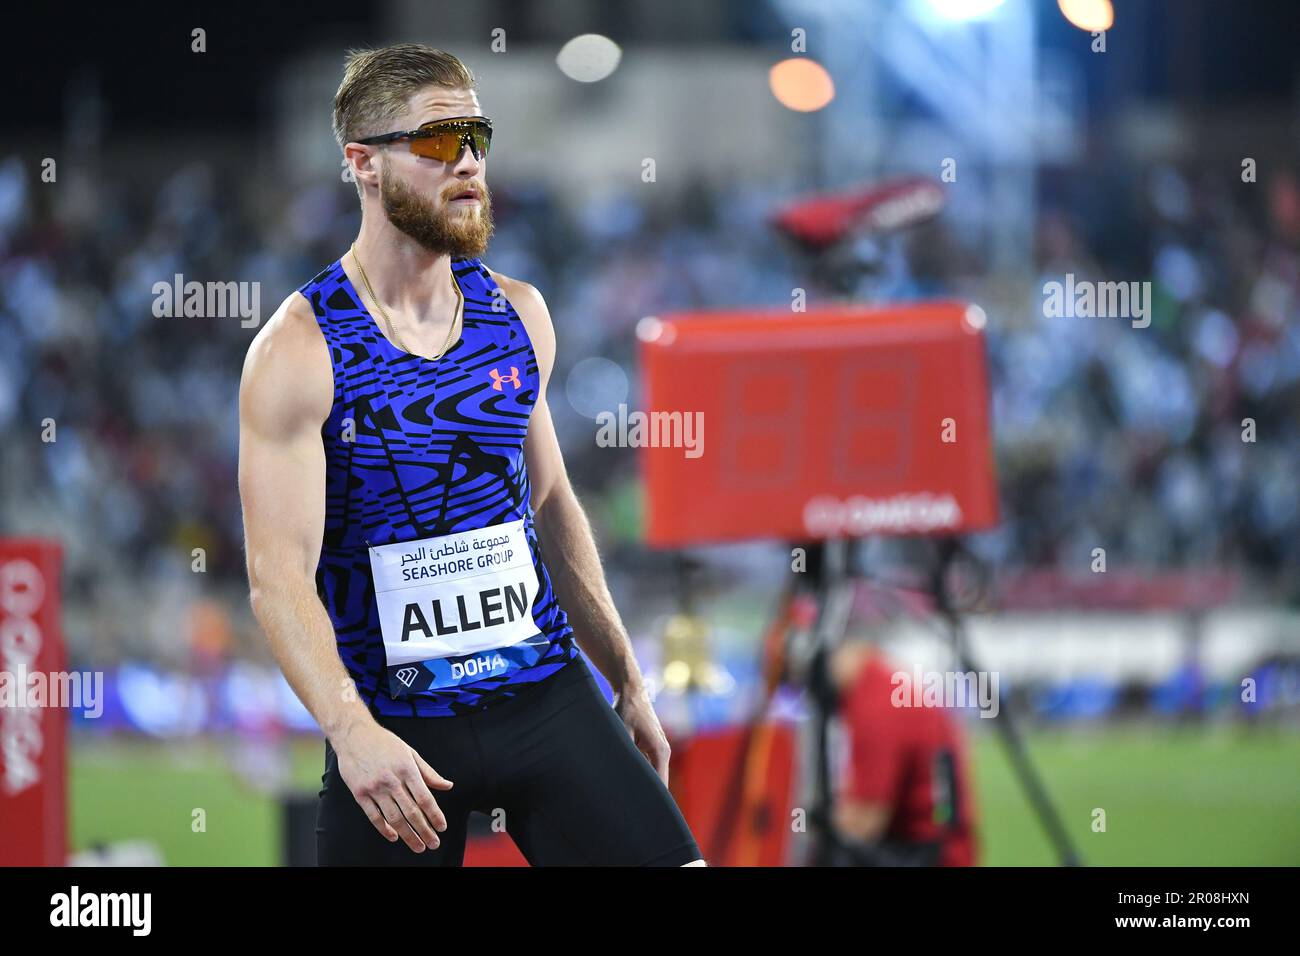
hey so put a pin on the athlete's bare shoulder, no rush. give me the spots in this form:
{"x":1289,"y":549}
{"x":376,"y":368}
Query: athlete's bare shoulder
{"x":288,"y":378}
{"x":530,"y":305}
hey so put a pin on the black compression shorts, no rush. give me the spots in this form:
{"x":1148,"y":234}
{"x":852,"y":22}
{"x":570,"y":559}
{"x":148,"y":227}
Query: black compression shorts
{"x":554,"y":763}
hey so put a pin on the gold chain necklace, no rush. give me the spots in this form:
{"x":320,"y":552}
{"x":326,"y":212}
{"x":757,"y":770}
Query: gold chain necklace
{"x":397,"y":339}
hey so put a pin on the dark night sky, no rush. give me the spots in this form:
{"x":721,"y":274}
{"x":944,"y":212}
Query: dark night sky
{"x":1213,"y":52}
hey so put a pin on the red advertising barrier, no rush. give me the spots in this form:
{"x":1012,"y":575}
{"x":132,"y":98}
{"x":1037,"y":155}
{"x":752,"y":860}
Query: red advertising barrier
{"x":1186,"y":589}
{"x":33,"y":739}
{"x":735,"y":787}
{"x":838,"y":422}
{"x":492,"y":849}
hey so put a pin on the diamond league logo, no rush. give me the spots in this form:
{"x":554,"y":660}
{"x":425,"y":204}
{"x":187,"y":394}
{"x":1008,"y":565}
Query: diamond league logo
{"x":407,"y":674}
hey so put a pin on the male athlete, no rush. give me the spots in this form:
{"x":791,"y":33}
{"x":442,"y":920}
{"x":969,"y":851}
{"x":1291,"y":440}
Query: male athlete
{"x":401,"y":480}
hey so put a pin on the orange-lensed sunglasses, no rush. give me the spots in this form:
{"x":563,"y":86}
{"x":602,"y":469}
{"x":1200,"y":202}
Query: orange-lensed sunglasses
{"x":444,"y":139}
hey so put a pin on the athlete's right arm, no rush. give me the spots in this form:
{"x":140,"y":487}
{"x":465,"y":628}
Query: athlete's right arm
{"x":284,"y":398}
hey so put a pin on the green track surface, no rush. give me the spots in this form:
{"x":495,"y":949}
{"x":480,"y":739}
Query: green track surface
{"x":1170,"y":796}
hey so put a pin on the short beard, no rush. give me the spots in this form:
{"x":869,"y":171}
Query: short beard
{"x":459,"y":235}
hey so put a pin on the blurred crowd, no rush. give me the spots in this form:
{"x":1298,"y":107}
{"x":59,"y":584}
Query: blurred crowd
{"x":121,"y":428}
{"x":1176,"y":445}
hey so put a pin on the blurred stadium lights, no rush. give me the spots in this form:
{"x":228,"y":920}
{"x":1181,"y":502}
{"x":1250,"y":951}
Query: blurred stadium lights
{"x":595,"y":385}
{"x":958,"y":10}
{"x":589,"y":58}
{"x":976,"y":318}
{"x":1091,"y":15}
{"x":972,"y":92}
{"x":801,"y":84}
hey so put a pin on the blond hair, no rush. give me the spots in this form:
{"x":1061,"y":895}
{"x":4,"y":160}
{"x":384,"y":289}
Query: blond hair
{"x":377,"y":83}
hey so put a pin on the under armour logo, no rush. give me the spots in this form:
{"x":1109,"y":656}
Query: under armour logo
{"x":498,"y":378}
{"x":407,"y":674}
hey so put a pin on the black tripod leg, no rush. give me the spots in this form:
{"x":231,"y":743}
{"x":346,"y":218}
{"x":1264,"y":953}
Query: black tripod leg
{"x":834,"y":588}
{"x":1007,"y":726}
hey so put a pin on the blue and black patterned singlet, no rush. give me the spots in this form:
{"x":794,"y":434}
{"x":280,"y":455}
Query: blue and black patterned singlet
{"x":415,"y":450}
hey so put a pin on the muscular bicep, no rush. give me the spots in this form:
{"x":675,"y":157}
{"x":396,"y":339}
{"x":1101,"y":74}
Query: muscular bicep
{"x":542,"y":455}
{"x":283,"y":399}
{"x":282,"y":486}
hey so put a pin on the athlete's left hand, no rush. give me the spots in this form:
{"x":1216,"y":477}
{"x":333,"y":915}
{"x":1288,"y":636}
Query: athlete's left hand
{"x":638,"y":715}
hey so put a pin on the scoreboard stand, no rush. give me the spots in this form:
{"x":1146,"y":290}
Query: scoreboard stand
{"x":827,"y":427}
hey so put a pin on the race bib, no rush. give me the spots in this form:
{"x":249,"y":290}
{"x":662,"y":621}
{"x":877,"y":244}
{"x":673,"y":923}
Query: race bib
{"x":456,"y":608}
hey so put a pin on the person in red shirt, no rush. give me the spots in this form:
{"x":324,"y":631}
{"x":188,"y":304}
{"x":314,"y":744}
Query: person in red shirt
{"x":904,"y":795}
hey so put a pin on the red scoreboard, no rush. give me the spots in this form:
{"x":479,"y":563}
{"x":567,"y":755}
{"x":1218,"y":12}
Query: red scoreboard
{"x":841,"y":421}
